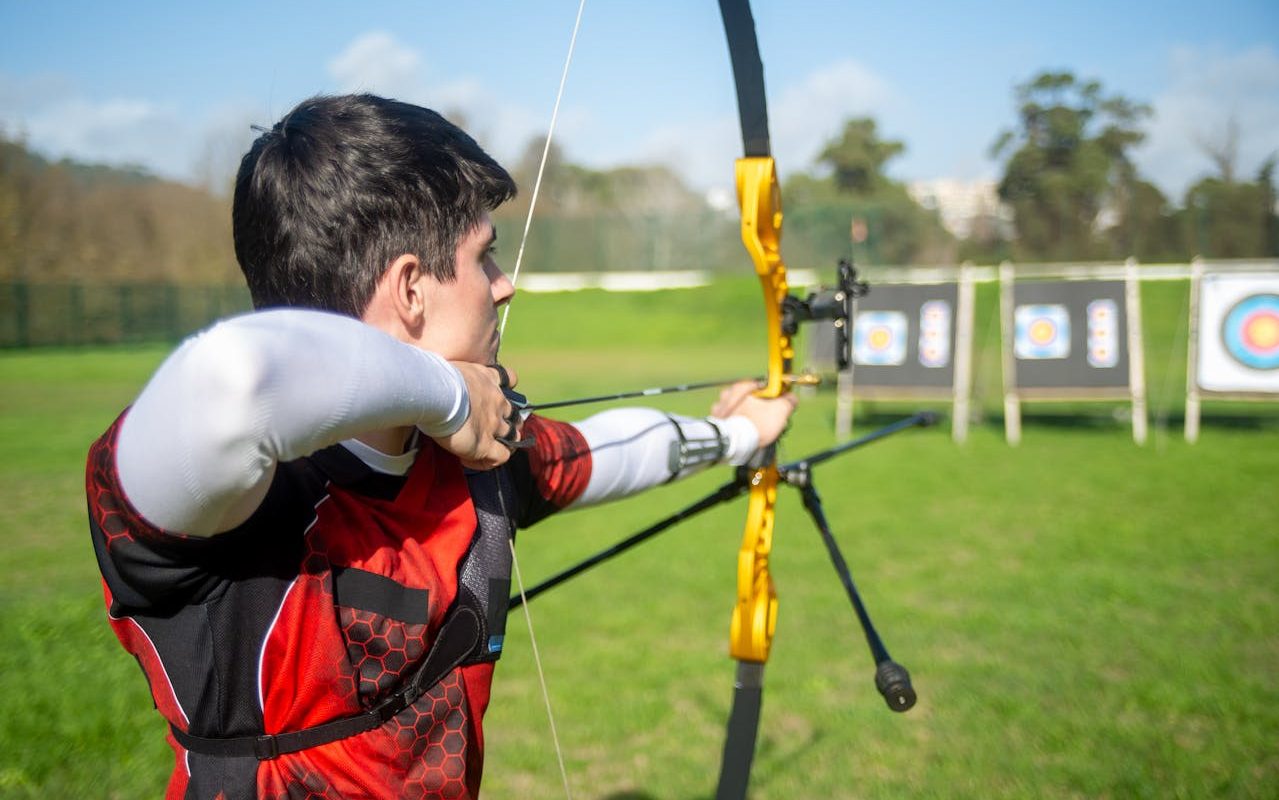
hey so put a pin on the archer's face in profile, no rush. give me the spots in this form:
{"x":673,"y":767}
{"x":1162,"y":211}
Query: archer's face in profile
{"x":461,"y":315}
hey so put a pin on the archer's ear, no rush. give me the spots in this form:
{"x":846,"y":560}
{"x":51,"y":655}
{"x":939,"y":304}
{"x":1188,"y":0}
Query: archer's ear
{"x":398,"y":305}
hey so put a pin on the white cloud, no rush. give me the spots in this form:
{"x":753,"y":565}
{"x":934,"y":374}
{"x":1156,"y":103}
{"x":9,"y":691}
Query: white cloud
{"x":20,"y":95}
{"x":111,"y":128}
{"x":1206,"y":90}
{"x":802,"y":119}
{"x":811,"y":113}
{"x":377,"y":62}
{"x":225,"y":136}
{"x":58,"y":121}
{"x":700,"y":152}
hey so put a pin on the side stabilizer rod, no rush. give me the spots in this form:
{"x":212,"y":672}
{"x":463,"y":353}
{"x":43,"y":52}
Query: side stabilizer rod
{"x":723,"y":494}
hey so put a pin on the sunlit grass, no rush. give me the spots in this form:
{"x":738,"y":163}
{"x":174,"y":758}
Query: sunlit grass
{"x":1083,"y":617}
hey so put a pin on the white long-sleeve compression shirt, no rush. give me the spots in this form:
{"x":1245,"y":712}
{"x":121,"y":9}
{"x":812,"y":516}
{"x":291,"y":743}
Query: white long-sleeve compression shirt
{"x":198,"y":449}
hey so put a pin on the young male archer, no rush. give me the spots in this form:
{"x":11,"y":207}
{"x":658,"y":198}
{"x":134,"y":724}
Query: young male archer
{"x":303,"y":521}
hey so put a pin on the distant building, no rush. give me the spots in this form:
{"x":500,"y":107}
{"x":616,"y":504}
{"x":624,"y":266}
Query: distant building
{"x":966,"y":208}
{"x":722,"y":199}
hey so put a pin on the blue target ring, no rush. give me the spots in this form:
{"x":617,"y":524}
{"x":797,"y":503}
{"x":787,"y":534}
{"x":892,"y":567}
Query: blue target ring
{"x":1250,"y":332}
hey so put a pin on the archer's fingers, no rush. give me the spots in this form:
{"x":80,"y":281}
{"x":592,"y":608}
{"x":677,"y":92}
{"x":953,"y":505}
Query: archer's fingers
{"x":770,"y":416}
{"x":731,"y":397}
{"x":506,"y":377}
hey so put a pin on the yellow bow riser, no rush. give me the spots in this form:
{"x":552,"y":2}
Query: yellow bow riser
{"x":755,"y":615}
{"x":760,"y":199}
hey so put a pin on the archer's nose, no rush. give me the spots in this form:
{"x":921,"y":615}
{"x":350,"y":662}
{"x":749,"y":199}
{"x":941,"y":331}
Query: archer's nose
{"x":500,"y":285}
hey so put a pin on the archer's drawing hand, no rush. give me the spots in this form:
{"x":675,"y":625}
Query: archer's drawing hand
{"x":477,"y":443}
{"x":769,"y":416}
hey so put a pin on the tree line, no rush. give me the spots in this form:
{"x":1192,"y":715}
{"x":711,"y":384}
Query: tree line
{"x":1067,"y":177}
{"x":63,"y":221}
{"x":1075,"y":192}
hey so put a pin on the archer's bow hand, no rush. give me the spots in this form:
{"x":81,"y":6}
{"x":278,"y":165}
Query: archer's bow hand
{"x":768,"y":415}
{"x":485,"y":440}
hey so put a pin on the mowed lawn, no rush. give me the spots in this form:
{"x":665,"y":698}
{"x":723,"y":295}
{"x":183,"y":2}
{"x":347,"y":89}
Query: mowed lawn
{"x":1082,"y":617}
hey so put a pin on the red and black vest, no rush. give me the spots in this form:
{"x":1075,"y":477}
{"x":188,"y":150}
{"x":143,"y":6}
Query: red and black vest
{"x":320,"y":605}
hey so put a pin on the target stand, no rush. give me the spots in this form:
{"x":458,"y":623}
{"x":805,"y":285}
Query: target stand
{"x":1071,"y":338}
{"x":1234,"y":335}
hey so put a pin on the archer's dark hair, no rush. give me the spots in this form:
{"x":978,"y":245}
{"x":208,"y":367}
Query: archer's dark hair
{"x":342,"y":186}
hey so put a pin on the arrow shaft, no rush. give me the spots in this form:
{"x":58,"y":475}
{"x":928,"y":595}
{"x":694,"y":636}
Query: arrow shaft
{"x":789,"y":380}
{"x":650,"y":392}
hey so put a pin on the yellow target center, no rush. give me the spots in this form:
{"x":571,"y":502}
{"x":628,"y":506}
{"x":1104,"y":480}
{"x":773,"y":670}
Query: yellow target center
{"x":1263,"y":332}
{"x":1042,"y":331}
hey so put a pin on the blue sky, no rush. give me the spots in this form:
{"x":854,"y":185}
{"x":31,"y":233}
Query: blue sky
{"x":174,"y":86}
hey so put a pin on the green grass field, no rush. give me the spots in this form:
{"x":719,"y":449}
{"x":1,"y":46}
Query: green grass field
{"x":1082,"y":617}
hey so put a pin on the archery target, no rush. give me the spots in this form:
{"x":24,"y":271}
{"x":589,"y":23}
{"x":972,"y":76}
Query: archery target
{"x":1103,"y":333}
{"x":902,"y":340}
{"x":879,"y":338}
{"x":934,"y":334}
{"x":1041,"y":331}
{"x":1251,"y":331}
{"x":1239,"y":333}
{"x":1070,"y":335}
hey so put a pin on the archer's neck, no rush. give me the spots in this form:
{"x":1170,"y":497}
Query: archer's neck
{"x":391,"y":441}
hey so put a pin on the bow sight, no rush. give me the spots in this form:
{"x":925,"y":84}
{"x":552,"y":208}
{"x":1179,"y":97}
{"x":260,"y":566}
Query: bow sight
{"x":835,"y":304}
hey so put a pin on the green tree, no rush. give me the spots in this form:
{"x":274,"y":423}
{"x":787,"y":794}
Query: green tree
{"x":858,"y":206}
{"x":1234,"y":219}
{"x":1065,"y":162}
{"x":629,"y":217}
{"x":1148,"y":226}
{"x":1266,"y":177}
{"x":65,"y":221}
{"x":1226,"y":217}
{"x":857,"y":158}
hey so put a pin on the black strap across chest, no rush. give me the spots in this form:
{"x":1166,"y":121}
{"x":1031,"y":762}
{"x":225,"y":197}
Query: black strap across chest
{"x":458,"y":638}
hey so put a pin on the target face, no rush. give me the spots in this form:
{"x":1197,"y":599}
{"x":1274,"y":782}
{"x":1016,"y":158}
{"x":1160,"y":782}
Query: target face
{"x":1041,"y":331}
{"x":1239,"y":333}
{"x":879,"y":338}
{"x":934,"y":334}
{"x":1250,"y":332}
{"x":1103,"y":334}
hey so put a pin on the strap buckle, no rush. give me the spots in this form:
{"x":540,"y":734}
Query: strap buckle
{"x":392,"y":705}
{"x":266,"y":747}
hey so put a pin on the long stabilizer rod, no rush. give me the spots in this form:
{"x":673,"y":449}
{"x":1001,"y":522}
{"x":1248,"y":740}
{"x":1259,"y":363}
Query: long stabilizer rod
{"x":891,"y":679}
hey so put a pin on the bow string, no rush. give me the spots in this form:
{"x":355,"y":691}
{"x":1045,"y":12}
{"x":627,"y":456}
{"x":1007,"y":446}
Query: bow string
{"x":754,"y":614}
